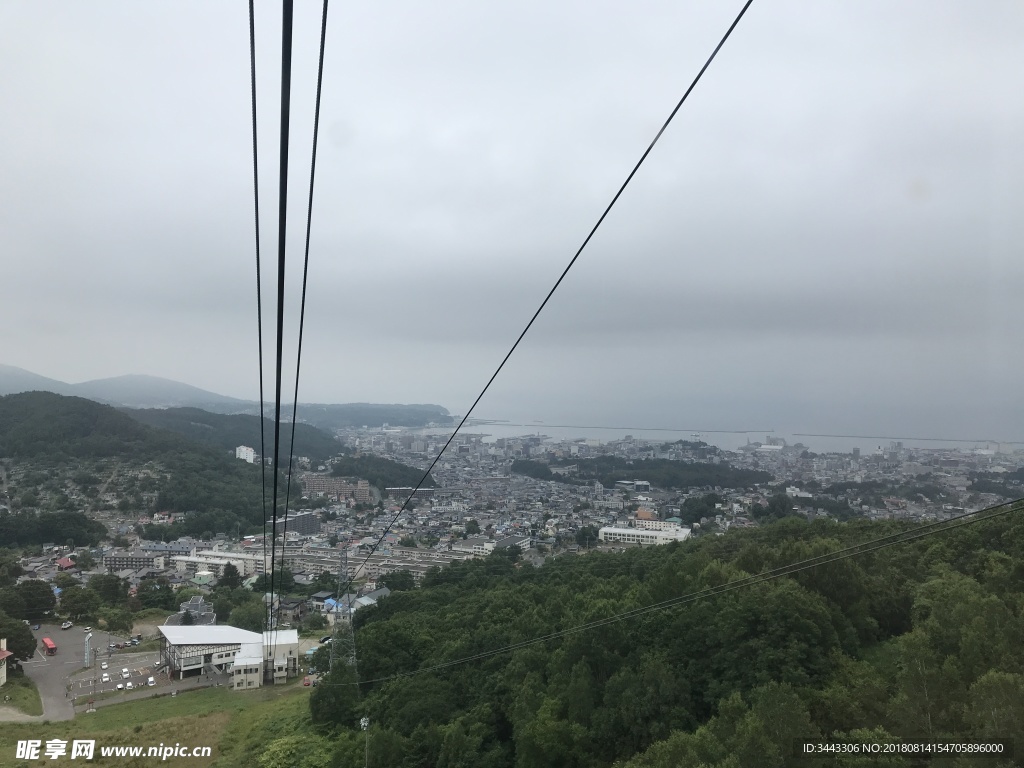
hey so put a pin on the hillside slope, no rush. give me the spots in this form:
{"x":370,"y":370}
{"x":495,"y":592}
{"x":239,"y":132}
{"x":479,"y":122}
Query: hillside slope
{"x":228,"y":431}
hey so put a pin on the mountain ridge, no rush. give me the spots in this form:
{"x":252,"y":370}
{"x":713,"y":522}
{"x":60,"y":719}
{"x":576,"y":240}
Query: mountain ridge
{"x":144,"y":391}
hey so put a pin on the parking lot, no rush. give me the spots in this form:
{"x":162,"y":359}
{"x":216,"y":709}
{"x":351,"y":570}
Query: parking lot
{"x":53,"y":674}
{"x":64,"y":682}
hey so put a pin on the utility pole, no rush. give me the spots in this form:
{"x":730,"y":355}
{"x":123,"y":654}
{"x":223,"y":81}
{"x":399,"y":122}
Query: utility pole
{"x":342,"y":574}
{"x":365,"y":725}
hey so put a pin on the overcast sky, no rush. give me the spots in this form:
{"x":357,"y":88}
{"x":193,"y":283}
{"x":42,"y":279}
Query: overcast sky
{"x":828,"y":237}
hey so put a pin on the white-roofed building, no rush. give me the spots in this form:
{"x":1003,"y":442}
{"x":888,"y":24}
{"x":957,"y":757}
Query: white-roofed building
{"x":250,"y":658}
{"x":247,"y":670}
{"x":189,"y":649}
{"x":281,"y":653}
{"x":642,"y":536}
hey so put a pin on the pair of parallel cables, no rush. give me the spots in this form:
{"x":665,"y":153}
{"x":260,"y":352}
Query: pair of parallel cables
{"x":286,"y":56}
{"x":286,"y":79}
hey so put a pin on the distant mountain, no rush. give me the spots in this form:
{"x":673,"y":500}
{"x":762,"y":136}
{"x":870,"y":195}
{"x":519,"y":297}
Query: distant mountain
{"x":228,"y":431}
{"x":135,"y":391}
{"x":14,"y":380}
{"x":132,"y":391}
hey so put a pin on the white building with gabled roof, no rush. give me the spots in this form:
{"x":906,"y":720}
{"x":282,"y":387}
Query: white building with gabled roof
{"x":250,"y":658}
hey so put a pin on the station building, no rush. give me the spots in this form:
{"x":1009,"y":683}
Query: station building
{"x":250,"y":658}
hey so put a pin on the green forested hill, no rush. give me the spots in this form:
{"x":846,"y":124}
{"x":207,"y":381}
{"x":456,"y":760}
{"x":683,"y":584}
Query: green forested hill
{"x":381,"y":472}
{"x":48,"y":426}
{"x":40,"y":429}
{"x":226,"y":432}
{"x":920,"y":641}
{"x":661,"y":473}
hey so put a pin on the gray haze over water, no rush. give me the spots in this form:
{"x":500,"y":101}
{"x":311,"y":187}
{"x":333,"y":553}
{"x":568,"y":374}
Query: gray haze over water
{"x":729,"y":441}
{"x":826,"y":240}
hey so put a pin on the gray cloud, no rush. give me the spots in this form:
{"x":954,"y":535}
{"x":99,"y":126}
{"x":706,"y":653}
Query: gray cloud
{"x":828,"y":234}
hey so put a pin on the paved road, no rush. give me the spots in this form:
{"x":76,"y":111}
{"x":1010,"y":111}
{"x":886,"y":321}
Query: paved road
{"x":64,"y":683}
{"x":52,"y":674}
{"x":62,"y":678}
{"x":139,"y":675}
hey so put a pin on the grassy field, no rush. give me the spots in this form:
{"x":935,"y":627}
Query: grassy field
{"x":23,"y":693}
{"x":204,"y":718}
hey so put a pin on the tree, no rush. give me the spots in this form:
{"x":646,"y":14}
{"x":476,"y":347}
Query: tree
{"x":156,"y":593}
{"x":325,"y":581}
{"x":230,"y":578}
{"x":586,"y":535}
{"x":408,"y":541}
{"x":186,"y":594}
{"x":112,"y":589}
{"x":84,"y":560}
{"x":250,"y":616}
{"x":64,"y":580}
{"x":10,"y":570}
{"x":187,"y":619}
{"x":398,"y":581}
{"x":39,"y":598}
{"x":314,"y":621}
{"x":79,"y":602}
{"x":513,"y":553}
{"x":20,"y":640}
{"x":335,"y":701}
{"x":12,"y":603}
{"x":472,"y":527}
{"x":119,"y":621}
{"x":301,"y":750}
{"x":283,"y":582}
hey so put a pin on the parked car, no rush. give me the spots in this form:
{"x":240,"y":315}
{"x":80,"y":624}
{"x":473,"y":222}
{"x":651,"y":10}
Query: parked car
{"x":105,"y":678}
{"x":87,"y":629}
{"x":305,"y":680}
{"x":66,"y":625}
{"x":151,"y":682}
{"x":35,"y":627}
{"x":120,"y":686}
{"x":128,"y":686}
{"x":133,"y":641}
{"x":125,"y":673}
{"x":325,"y":639}
{"x":104,"y":665}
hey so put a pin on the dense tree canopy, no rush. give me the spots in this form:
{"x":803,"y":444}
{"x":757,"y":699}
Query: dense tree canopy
{"x":380,"y":472}
{"x":20,"y":640}
{"x":906,"y":642}
{"x":38,"y":598}
{"x":661,"y":473}
{"x":28,"y":528}
{"x":228,"y":431}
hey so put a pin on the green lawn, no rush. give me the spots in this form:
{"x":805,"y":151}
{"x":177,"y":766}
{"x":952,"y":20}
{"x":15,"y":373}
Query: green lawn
{"x":195,"y":718}
{"x":23,"y":693}
{"x":156,"y":615}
